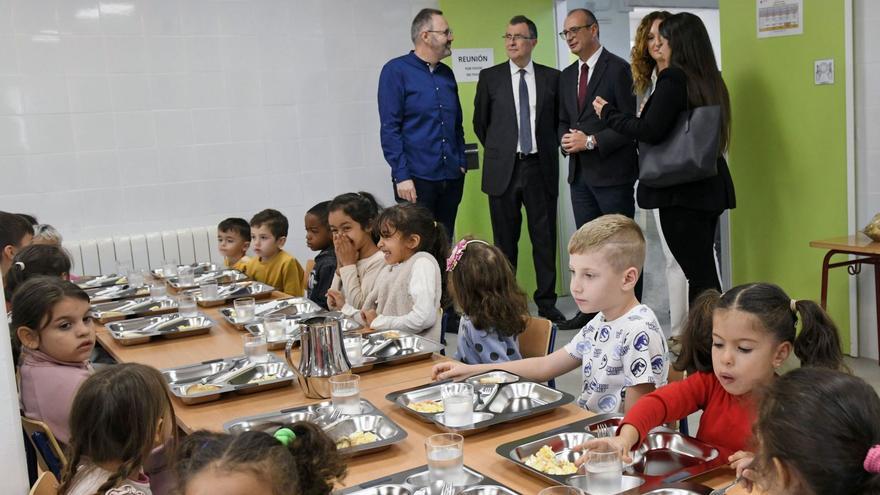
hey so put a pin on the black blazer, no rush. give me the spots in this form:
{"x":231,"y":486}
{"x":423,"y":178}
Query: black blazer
{"x":497,"y":127}
{"x":614,"y":162}
{"x":661,"y":111}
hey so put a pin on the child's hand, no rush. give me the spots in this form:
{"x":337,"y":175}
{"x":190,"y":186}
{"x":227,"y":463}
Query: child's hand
{"x":741,"y":461}
{"x":451,"y":369}
{"x":335,"y":299}
{"x":615,"y":444}
{"x":369,"y":315}
{"x":346,"y":254}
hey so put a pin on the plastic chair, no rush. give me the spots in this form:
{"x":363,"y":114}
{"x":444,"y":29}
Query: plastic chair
{"x":310,"y":264}
{"x":50,"y":456}
{"x":538,"y":340}
{"x":46,"y":484}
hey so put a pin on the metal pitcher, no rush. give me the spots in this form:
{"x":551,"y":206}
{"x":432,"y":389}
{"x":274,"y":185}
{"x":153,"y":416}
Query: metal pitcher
{"x":322,"y":355}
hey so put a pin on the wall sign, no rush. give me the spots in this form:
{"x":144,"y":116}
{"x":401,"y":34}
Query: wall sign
{"x":823,"y":71}
{"x":468,"y":62}
{"x":780,"y":17}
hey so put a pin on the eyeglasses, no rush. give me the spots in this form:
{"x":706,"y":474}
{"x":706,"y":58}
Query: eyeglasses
{"x":573,"y":31}
{"x":516,"y":37}
{"x":446,"y":33}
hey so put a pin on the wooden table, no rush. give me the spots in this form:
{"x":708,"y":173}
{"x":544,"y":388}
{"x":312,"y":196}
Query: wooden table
{"x":866,"y":251}
{"x":224,"y":340}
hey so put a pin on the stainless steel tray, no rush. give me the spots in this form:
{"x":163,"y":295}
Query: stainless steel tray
{"x":198,"y":269}
{"x":227,"y":293}
{"x":116,"y":292}
{"x":289,"y":306}
{"x":664,"y":457}
{"x":494,"y":403}
{"x":235,"y":374}
{"x":130,"y":308}
{"x":227,"y":276}
{"x":93,"y":281}
{"x":172,"y":325}
{"x":679,"y":489}
{"x":369,"y":420}
{"x":416,"y":481}
{"x":392,"y":346}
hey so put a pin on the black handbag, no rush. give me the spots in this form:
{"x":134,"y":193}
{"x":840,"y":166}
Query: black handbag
{"x":688,"y":154}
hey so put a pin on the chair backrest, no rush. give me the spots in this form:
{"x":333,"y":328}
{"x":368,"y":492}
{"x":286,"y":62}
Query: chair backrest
{"x":46,"y":484}
{"x":50,"y":456}
{"x":538,"y":338}
{"x":310,"y":264}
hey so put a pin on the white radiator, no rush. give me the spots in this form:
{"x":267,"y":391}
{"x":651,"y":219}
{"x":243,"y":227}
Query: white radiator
{"x":100,"y":256}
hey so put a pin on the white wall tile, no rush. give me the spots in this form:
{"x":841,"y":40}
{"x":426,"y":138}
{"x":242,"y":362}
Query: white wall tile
{"x":94,"y":131}
{"x":170,"y":90}
{"x":206,"y":89}
{"x":8,"y":55}
{"x":13,"y":135}
{"x":126,"y":54}
{"x":34,"y":16}
{"x":236,"y":18}
{"x":78,"y":17}
{"x":210,"y":125}
{"x":173,"y":127}
{"x":11,"y":98}
{"x":14,"y":172}
{"x":167,"y":54}
{"x":40,"y":54}
{"x":6,"y":24}
{"x":161,"y":17}
{"x":89,"y":93}
{"x":199,"y":17}
{"x":138,"y":166}
{"x":51,"y":172}
{"x":177,"y":164}
{"x":243,"y":89}
{"x":239,"y":53}
{"x":84,"y":54}
{"x":246,"y":124}
{"x":279,"y":87}
{"x":44,"y":94}
{"x":98,"y":169}
{"x":135,"y":130}
{"x":280,"y":122}
{"x":121,"y":17}
{"x":203,"y":53}
{"x":49,"y":133}
{"x":130,"y":91}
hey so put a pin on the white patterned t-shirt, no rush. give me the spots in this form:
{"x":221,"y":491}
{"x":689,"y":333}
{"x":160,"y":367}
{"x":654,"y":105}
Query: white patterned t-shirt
{"x":628,"y":351}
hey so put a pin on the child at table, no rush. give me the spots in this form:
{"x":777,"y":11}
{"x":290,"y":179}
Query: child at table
{"x":53,"y":329}
{"x":352,"y":218}
{"x":319,"y":238}
{"x":493,"y":307}
{"x":233,"y":240}
{"x":753,"y":330}
{"x":622,"y":351}
{"x":817,"y":433}
{"x":299,"y":459}
{"x":272,"y":264}
{"x":121,"y":418}
{"x":47,"y":234}
{"x":15,"y":234}
{"x":34,"y":260}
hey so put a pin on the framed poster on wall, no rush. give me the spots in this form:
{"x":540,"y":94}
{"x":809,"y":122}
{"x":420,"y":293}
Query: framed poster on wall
{"x":780,"y":17}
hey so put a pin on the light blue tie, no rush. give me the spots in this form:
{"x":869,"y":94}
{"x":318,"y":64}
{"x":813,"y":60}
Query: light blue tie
{"x":525,"y":117}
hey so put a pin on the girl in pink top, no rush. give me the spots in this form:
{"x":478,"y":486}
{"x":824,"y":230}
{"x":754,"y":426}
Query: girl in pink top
{"x":54,"y":332}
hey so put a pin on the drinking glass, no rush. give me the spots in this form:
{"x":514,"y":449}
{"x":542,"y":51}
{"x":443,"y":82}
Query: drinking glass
{"x":123,"y":268}
{"x":169,"y":268}
{"x":274,"y":325}
{"x":604,"y":471}
{"x":209,"y":291}
{"x":345,"y":391}
{"x":354,"y":348}
{"x":136,"y":278}
{"x":186,"y":305}
{"x":158,"y":290}
{"x":445,"y":452}
{"x":256,"y":348}
{"x":458,"y":404}
{"x":186,"y":276}
{"x":244,"y":309}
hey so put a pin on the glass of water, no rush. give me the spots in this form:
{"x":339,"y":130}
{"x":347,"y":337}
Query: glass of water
{"x":275,"y":326}
{"x":169,"y":268}
{"x":186,"y":305}
{"x":458,"y":404}
{"x":604,"y":471}
{"x":136,"y":278}
{"x":244,"y":309}
{"x":345,"y":390}
{"x":158,"y":290}
{"x":185,"y":276}
{"x":256,"y":348}
{"x":354,"y":348}
{"x":209,"y":291}
{"x":445,"y":453}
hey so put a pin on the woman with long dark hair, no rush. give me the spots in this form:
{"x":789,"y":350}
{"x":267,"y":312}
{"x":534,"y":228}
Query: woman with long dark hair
{"x":689,"y":212}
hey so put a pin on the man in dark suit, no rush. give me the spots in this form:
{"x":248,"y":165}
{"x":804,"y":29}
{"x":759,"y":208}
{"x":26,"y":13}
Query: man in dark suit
{"x":603,"y":165}
{"x":515,"y":118}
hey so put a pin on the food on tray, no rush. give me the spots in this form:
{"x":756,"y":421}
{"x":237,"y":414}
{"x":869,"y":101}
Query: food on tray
{"x":130,"y":334}
{"x":263,"y":378}
{"x":357,"y":438}
{"x":426,"y":406}
{"x":545,"y":461}
{"x":391,"y":334}
{"x":486,"y":380}
{"x":198,"y":388}
{"x":106,"y":314}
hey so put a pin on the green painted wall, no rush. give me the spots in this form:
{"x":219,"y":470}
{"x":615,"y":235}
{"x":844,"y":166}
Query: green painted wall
{"x":481,"y":25}
{"x":788,"y":150}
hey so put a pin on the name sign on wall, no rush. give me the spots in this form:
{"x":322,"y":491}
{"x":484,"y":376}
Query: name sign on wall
{"x":468,"y":62}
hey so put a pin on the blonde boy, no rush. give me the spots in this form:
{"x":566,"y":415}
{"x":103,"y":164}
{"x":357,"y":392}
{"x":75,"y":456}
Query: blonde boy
{"x":271,"y":264}
{"x":622,"y":351}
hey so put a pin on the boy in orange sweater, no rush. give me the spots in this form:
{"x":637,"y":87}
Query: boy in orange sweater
{"x":271,"y":264}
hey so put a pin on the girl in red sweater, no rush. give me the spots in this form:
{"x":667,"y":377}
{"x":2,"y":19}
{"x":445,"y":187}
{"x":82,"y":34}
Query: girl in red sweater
{"x":750,"y":333}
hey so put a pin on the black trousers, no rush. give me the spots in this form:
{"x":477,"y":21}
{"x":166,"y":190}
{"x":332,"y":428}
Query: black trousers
{"x":441,"y":197}
{"x":690,"y":235}
{"x":527,"y":188}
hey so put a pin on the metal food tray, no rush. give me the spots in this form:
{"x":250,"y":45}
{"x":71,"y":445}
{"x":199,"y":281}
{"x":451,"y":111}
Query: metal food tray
{"x":131,"y":308}
{"x":392,"y":346}
{"x":171,"y":326}
{"x":227,"y":293}
{"x":494,"y":403}
{"x":198,"y":269}
{"x":235,"y":374}
{"x":227,"y":276}
{"x":416,"y":481}
{"x":370,"y":419}
{"x":288,"y":306}
{"x":116,"y":292}
{"x":94,"y":281}
{"x":665,"y":457}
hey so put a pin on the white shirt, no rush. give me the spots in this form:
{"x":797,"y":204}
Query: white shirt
{"x":533,"y":99}
{"x":628,"y":351}
{"x":594,"y":58}
{"x":423,"y":315}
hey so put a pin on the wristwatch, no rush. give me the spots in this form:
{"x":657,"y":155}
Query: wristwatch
{"x":591,"y":142}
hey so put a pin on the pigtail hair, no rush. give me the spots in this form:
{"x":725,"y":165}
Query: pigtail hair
{"x":818,"y":343}
{"x":696,"y":335}
{"x":121,"y":474}
{"x":317,"y":460}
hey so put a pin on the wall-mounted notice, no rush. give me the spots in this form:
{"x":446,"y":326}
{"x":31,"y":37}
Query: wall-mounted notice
{"x":823,"y":71}
{"x":468,"y":62}
{"x":780,"y":17}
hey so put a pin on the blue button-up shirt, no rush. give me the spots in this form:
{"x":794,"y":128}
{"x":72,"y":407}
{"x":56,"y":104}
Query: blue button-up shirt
{"x":422,"y":135}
